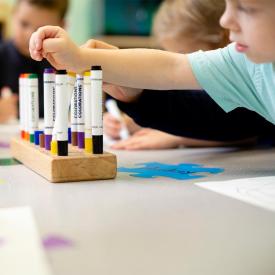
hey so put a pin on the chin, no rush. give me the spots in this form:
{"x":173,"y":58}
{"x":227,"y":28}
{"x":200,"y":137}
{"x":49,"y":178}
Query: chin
{"x":259,"y":59}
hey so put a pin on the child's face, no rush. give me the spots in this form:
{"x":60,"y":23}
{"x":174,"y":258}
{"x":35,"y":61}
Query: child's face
{"x":251,"y":24}
{"x":27,"y":18}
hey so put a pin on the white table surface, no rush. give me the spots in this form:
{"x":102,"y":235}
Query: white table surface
{"x":131,"y":226}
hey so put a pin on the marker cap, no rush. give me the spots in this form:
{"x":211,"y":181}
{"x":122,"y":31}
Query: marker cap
{"x":69,"y":135}
{"x":31,"y":138}
{"x":49,"y":71}
{"x":61,"y":72}
{"x":71,"y":74}
{"x":42,"y":140}
{"x":74,"y":139}
{"x":54,"y":147}
{"x":88,"y":145}
{"x":32,"y":76}
{"x":62,"y":148}
{"x":96,"y":68}
{"x":22,"y":134}
{"x":98,"y":144}
{"x":48,"y":139}
{"x":81,"y":137}
{"x":36,"y":137}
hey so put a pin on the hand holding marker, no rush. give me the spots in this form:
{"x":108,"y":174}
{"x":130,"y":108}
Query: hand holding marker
{"x":112,"y":108}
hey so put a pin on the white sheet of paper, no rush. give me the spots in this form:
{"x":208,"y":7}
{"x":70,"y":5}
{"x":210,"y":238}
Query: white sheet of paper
{"x":21,"y":251}
{"x":257,"y":191}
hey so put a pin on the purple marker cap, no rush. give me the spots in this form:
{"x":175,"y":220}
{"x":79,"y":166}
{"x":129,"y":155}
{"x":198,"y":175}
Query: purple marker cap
{"x":49,"y":71}
{"x":48,"y":139}
{"x":81,"y":137}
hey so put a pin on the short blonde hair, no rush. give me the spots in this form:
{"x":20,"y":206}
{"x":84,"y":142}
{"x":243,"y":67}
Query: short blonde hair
{"x":196,"y":19}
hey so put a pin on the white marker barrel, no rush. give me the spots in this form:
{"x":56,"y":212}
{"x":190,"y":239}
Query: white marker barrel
{"x":26,"y":109}
{"x":49,"y":105}
{"x":22,"y":105}
{"x":61,"y":112}
{"x":33,"y":105}
{"x":87,"y":105}
{"x":74,"y":116}
{"x":80,"y":110}
{"x":97,"y":110}
{"x":71,"y":77}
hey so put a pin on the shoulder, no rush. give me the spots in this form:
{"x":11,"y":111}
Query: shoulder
{"x":7,"y":50}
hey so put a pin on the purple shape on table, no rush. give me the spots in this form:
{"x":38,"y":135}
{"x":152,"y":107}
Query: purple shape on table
{"x":2,"y":242}
{"x":4,"y":144}
{"x":52,"y":242}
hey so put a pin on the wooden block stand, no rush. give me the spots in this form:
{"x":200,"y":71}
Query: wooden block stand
{"x":78,"y":166}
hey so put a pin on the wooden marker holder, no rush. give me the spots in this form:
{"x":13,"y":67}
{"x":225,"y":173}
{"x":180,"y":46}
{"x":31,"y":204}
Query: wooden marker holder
{"x":78,"y":166}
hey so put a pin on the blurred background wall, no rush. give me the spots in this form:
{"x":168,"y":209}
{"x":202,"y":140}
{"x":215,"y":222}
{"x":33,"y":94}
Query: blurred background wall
{"x":98,"y":18}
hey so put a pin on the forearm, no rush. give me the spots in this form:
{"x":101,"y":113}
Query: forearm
{"x":142,"y":68}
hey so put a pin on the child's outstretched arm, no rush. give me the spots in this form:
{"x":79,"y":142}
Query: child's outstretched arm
{"x":137,"y":68}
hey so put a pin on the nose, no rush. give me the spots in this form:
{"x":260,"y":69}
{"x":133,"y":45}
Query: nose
{"x":228,"y":20}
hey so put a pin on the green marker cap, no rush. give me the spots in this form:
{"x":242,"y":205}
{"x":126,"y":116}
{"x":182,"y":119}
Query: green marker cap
{"x":31,"y":138}
{"x":32,"y":76}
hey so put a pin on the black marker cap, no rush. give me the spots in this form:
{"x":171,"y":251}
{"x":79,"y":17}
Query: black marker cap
{"x":98,"y":144}
{"x":61,"y":72}
{"x":62,"y":148}
{"x":96,"y":68}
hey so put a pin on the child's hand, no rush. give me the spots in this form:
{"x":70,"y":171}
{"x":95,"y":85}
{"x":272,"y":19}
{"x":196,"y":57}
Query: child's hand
{"x":111,"y":126}
{"x":149,"y":139}
{"x":54,"y":44}
{"x":8,"y":108}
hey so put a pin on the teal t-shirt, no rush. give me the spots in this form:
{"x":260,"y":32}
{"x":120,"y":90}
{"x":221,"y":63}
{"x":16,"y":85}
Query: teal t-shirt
{"x":232,"y":80}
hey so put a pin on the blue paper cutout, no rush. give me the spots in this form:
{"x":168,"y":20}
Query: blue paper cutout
{"x":181,"y":171}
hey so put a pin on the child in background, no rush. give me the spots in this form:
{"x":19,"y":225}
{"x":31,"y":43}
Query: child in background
{"x":27,"y":17}
{"x":186,"y":26}
{"x":239,"y":75}
{"x":181,"y":26}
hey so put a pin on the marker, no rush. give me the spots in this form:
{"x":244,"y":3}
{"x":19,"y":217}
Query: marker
{"x":97,"y":114}
{"x":25,"y":108}
{"x":113,"y":109}
{"x":54,"y":147}
{"x":33,"y":105}
{"x":54,"y":141}
{"x":42,"y":140}
{"x":22,"y":105}
{"x":70,"y":85}
{"x":80,"y":111}
{"x":74,"y":117}
{"x":88,"y":112}
{"x":49,"y":105}
{"x":36,"y":137}
{"x":61,"y":113}
{"x":69,"y":135}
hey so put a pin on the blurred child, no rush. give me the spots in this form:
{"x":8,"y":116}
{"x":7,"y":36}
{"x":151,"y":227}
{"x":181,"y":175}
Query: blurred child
{"x":182,"y":26}
{"x":27,"y":17}
{"x":239,"y":75}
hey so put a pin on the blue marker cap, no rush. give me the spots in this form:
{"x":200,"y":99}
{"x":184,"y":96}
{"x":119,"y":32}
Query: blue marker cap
{"x":49,"y":71}
{"x":36,"y":137}
{"x":69,"y":135}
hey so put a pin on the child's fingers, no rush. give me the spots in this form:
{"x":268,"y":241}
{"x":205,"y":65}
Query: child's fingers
{"x":36,"y":44}
{"x":51,"y":45}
